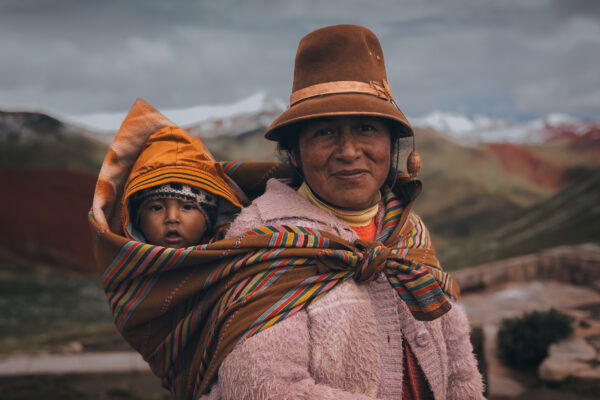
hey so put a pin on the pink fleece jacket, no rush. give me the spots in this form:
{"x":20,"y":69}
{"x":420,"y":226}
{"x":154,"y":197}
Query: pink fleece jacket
{"x":348,"y":344}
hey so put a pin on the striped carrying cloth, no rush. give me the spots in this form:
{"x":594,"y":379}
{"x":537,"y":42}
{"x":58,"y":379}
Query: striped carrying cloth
{"x":184,"y":310}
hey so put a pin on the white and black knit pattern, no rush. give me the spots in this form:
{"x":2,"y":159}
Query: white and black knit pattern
{"x":207,"y":201}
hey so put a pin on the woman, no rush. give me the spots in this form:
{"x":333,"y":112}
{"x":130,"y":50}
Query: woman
{"x":320,"y":289}
{"x":359,"y":340}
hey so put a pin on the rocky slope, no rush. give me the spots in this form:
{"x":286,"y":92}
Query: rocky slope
{"x":30,"y":139}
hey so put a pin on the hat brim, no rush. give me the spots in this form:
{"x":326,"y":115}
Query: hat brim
{"x":340,"y":105}
{"x":198,"y":177}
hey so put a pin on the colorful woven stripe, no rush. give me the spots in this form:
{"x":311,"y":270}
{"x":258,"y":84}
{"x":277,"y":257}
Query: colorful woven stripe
{"x":184,"y":310}
{"x":230,"y":166}
{"x":133,"y":273}
{"x":295,"y":300}
{"x":392,"y":214}
{"x":191,"y":177}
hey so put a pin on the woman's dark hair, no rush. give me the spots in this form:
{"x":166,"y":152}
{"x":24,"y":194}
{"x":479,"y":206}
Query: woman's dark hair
{"x":288,"y":141}
{"x":287,"y":146}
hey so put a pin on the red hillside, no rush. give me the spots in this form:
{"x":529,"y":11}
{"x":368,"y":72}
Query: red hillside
{"x":43,"y":216}
{"x":522,"y":161}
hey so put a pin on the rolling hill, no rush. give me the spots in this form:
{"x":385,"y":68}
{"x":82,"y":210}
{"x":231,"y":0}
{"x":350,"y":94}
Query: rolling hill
{"x":469,"y":190}
{"x":571,"y":216}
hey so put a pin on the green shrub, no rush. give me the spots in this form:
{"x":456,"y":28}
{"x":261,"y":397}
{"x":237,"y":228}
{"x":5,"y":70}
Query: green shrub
{"x":523,"y":342}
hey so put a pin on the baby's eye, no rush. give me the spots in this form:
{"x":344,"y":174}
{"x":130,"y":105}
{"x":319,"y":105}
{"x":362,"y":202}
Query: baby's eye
{"x":155,"y":207}
{"x":189,"y":206}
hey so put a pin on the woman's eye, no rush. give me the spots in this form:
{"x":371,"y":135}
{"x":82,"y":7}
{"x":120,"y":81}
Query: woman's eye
{"x":189,"y":206}
{"x":155,"y":207}
{"x":323,"y":132}
{"x":367,"y":128}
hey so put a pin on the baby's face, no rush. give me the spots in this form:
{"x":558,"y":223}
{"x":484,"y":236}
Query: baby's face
{"x":172,"y":222}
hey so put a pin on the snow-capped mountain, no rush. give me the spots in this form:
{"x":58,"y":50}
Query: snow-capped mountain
{"x":256,"y":112}
{"x":477,"y":128}
{"x":251,"y":114}
{"x":203,"y":120}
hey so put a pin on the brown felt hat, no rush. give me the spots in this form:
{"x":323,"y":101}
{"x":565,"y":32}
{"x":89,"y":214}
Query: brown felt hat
{"x":339,"y":71}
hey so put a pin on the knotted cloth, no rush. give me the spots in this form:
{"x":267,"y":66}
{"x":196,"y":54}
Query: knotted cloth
{"x":184,"y":310}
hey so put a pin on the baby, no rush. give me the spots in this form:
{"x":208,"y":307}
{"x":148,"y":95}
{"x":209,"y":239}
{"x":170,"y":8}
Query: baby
{"x":174,"y":214}
{"x":176,"y":194}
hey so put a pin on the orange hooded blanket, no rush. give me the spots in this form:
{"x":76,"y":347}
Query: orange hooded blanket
{"x":171,"y":155}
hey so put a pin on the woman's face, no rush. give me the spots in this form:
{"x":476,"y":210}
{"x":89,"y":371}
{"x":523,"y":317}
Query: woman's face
{"x":345,"y":160}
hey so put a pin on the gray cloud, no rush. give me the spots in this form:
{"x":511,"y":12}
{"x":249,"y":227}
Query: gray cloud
{"x":509,"y":58}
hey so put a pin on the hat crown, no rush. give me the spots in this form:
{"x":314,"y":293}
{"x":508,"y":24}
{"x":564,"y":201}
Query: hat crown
{"x":339,"y":71}
{"x":338,"y":53}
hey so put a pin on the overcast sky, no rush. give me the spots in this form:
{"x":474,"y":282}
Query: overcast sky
{"x":504,"y":58}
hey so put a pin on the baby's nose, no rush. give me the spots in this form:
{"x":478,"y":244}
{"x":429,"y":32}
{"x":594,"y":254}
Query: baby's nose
{"x":172,"y":214}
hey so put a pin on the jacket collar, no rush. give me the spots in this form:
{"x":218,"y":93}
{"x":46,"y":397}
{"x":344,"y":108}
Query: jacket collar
{"x":282,"y":202}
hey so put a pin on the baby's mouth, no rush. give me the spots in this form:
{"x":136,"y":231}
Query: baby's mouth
{"x":173,"y":237}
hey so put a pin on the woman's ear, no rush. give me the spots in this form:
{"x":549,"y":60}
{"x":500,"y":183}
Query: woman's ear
{"x":295,"y":158}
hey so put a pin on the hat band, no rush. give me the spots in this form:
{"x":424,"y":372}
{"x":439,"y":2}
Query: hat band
{"x":374,"y":88}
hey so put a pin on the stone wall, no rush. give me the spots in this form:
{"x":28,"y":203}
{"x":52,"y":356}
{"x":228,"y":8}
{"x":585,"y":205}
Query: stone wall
{"x":578,"y":265}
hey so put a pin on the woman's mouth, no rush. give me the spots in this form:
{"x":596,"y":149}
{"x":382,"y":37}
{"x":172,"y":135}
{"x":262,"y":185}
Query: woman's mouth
{"x":350,"y":174}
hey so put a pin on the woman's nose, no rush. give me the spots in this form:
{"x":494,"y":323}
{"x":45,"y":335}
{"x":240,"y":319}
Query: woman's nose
{"x":348,"y":147}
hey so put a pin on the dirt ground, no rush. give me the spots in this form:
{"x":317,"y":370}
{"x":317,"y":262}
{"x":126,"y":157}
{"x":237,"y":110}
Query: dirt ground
{"x":131,"y":386}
